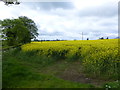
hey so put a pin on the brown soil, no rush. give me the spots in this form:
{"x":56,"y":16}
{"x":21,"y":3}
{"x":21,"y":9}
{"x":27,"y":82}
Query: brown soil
{"x":72,"y":72}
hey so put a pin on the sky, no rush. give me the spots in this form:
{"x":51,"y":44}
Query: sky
{"x":67,"y":20}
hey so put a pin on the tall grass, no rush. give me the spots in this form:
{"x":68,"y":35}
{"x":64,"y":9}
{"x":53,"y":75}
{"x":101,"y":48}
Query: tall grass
{"x":18,"y":72}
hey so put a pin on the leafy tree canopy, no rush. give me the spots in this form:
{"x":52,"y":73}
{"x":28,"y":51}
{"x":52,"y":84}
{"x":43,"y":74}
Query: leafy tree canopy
{"x":18,"y":31}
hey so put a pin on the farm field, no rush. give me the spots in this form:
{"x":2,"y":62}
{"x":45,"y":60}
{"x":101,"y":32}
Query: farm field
{"x":63,"y":64}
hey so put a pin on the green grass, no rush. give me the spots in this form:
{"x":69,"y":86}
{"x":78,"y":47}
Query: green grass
{"x":18,"y":72}
{"x":29,"y":70}
{"x":115,"y":84}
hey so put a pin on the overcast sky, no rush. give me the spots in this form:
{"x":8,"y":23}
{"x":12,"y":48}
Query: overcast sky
{"x":67,"y":20}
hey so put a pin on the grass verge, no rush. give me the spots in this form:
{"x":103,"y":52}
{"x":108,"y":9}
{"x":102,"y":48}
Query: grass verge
{"x":17,"y":73}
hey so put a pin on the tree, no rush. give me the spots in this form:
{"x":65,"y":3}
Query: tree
{"x":8,"y":2}
{"x":31,"y":26}
{"x":101,"y":38}
{"x":14,"y":31}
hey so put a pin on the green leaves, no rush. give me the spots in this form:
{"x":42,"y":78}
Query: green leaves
{"x":30,"y":25}
{"x":18,"y":31}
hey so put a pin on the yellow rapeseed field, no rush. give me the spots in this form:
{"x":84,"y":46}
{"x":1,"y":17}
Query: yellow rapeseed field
{"x":97,"y":56}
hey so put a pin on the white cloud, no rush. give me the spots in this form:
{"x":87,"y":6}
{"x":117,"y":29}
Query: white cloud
{"x":67,"y":22}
